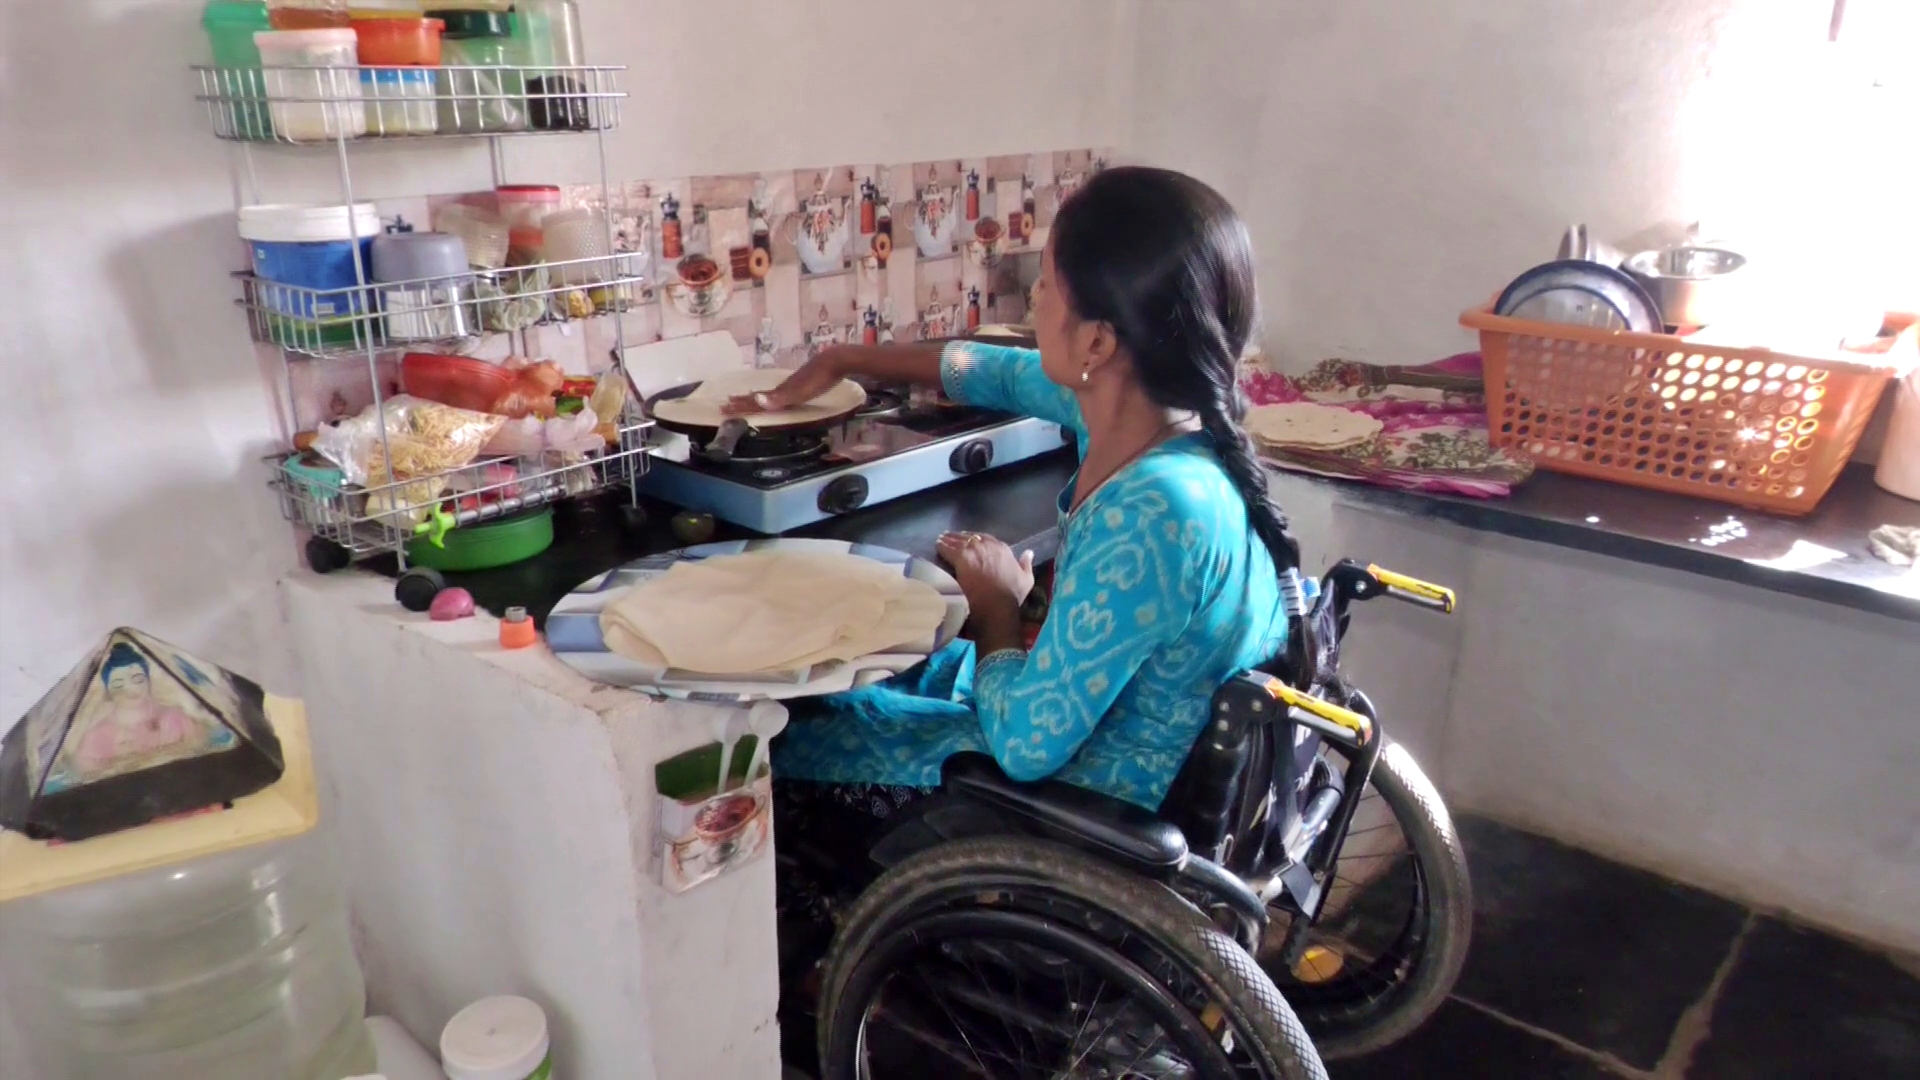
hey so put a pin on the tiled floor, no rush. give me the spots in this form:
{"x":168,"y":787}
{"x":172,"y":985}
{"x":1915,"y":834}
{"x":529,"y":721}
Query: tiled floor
{"x":1583,"y":969}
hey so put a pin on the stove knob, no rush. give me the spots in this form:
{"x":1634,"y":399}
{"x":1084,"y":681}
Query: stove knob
{"x":841,"y":496}
{"x":971,"y":457}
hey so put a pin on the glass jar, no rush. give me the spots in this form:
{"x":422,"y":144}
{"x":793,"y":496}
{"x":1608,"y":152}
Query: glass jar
{"x":483,"y":89}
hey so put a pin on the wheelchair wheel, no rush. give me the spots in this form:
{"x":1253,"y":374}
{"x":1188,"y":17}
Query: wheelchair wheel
{"x":1394,"y":933}
{"x":1020,"y":959}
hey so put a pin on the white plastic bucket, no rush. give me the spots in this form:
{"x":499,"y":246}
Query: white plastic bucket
{"x":1899,"y":468}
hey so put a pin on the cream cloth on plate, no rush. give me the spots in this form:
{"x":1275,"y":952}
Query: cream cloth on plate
{"x":770,"y":611}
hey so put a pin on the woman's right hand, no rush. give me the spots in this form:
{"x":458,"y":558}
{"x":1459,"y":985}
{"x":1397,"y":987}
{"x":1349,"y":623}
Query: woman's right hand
{"x":819,"y":374}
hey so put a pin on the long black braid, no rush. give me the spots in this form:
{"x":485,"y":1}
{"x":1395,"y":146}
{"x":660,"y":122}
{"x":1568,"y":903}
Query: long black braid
{"x":1165,"y":261}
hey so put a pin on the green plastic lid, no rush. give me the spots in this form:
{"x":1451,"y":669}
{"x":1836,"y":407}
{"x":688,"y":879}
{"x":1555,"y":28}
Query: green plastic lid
{"x":465,"y":23}
{"x":236,"y":14}
{"x":483,"y":547}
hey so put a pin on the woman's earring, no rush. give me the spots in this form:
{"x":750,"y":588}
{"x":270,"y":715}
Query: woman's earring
{"x":1084,"y":376}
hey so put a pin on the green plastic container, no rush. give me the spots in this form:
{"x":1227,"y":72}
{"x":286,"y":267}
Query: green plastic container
{"x":483,"y":547}
{"x":230,"y":26}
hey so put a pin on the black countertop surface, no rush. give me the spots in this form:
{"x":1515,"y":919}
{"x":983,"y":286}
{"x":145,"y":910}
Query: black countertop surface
{"x":1014,"y":503}
{"x":1823,"y":556}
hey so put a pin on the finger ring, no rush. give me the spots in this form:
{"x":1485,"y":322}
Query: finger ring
{"x":761,"y":400}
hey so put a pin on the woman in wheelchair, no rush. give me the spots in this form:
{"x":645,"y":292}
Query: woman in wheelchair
{"x":1066,"y":929}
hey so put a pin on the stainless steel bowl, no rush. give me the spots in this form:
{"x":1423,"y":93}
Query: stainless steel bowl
{"x":1694,"y":286}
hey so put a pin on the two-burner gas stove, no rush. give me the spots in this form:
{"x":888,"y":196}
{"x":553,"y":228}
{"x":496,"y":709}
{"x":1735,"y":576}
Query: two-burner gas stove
{"x":900,"y":443}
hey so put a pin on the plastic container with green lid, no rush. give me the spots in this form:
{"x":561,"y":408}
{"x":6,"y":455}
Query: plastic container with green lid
{"x":476,"y":99}
{"x":230,"y":26}
{"x":483,"y":547}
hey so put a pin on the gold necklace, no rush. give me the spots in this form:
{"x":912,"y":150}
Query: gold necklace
{"x":1159,"y":436}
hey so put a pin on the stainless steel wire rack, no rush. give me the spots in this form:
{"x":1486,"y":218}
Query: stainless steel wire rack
{"x":341,"y":107}
{"x":369,"y":519}
{"x":289,"y":104}
{"x":439,"y":311}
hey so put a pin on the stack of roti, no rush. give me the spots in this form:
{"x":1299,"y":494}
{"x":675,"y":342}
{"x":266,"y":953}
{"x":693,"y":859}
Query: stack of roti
{"x":1303,"y":425}
{"x":770,"y":611}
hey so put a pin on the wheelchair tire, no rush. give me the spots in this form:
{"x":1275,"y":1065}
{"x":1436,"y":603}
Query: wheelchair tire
{"x":1053,"y":885}
{"x":1444,"y":930}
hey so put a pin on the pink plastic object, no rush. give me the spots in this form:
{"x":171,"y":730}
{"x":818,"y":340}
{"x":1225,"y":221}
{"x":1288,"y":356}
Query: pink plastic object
{"x":451,"y":604}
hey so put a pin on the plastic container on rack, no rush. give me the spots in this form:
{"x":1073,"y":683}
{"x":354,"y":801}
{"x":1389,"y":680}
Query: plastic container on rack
{"x":436,"y":301}
{"x":399,"y":41}
{"x":230,"y":26}
{"x":311,"y":248}
{"x":307,"y":14}
{"x":527,"y":205}
{"x":459,"y":381}
{"x":400,"y":101}
{"x":362,"y":10}
{"x":482,"y":91}
{"x":547,"y":35}
{"x":232,"y":966}
{"x":483,"y":232}
{"x":572,"y":235}
{"x":1749,"y":426}
{"x":312,"y":87}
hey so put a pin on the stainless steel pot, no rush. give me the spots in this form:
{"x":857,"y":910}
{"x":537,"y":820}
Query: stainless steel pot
{"x":1693,"y":284}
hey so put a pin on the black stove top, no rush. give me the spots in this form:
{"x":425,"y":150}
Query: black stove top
{"x":889,"y":424}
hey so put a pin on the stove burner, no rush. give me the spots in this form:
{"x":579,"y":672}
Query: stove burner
{"x":881,"y":403}
{"x":764,"y":448}
{"x":772,"y":474}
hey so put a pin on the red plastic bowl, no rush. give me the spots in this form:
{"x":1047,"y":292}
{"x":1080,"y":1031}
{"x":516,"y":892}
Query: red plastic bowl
{"x":399,"y":42}
{"x":459,"y":381}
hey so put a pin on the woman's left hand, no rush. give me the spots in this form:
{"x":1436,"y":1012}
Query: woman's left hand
{"x":995,"y":580}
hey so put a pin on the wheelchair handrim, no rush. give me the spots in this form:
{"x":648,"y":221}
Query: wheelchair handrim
{"x":1181,"y":1029}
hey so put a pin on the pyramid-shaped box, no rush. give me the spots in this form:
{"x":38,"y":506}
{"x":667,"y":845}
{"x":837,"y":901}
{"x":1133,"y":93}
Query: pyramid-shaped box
{"x":136,"y":732}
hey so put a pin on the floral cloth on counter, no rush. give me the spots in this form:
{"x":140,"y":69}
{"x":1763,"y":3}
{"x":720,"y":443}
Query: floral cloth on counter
{"x":1435,"y":438}
{"x":1161,"y":592}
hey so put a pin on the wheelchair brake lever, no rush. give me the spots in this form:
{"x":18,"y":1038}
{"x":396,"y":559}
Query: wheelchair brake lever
{"x":1414,"y":591}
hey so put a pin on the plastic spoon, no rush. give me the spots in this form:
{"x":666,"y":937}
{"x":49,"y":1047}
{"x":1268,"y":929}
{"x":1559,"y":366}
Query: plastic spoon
{"x":766,"y":719}
{"x":727,"y":728}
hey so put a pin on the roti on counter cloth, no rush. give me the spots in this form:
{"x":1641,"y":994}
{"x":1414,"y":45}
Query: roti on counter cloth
{"x":770,"y":611}
{"x":1305,"y":424}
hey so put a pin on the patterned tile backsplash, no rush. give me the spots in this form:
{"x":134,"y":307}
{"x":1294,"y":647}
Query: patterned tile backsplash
{"x":788,"y":262}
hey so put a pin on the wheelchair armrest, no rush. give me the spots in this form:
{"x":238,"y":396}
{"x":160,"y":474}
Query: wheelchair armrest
{"x":1101,"y":823}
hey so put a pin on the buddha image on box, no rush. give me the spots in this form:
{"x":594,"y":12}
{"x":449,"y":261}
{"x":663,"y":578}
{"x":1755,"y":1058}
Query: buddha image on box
{"x":123,"y":726}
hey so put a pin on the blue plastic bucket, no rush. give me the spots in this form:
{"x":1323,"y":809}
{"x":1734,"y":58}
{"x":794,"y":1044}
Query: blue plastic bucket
{"x":311,"y":249}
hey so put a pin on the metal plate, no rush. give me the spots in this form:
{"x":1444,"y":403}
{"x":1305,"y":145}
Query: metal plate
{"x":1590,"y":287}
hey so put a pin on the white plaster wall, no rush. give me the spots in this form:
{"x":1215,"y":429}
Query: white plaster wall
{"x":1760,"y":745}
{"x":138,"y":409}
{"x":1398,"y":161}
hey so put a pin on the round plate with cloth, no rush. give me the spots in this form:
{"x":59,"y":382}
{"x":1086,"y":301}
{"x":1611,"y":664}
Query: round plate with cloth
{"x":615,"y":633}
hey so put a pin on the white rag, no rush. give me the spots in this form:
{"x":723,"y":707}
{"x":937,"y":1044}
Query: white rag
{"x":1897,"y":544}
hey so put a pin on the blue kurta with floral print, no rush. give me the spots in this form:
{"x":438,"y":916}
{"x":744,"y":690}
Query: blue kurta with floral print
{"x":1161,"y":592}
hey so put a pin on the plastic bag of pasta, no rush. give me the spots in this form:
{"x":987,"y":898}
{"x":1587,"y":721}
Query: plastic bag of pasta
{"x":425,"y":438}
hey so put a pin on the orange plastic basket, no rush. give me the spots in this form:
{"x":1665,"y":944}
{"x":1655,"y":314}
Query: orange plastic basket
{"x":1762,"y":429}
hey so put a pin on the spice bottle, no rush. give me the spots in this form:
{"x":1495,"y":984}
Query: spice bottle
{"x":973,"y":309}
{"x":973,"y":194}
{"x":868,"y":197}
{"x":516,"y":632}
{"x":671,"y":246}
{"x":870,"y":330}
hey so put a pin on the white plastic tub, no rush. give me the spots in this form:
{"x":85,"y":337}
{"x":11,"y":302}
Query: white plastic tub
{"x":1899,"y":468}
{"x":313,"y":90}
